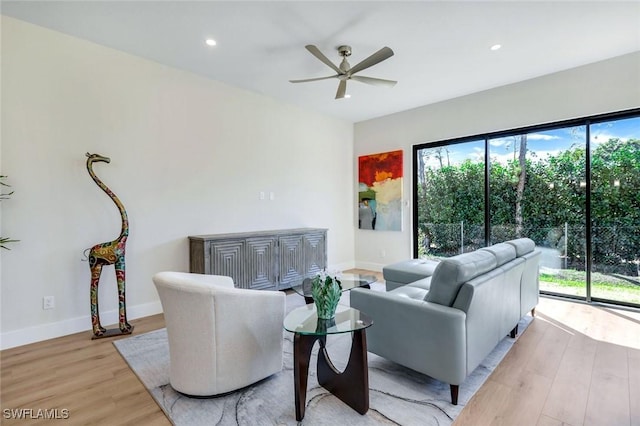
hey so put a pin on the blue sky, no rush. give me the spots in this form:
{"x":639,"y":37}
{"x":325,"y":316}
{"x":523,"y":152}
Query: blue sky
{"x":542,"y":144}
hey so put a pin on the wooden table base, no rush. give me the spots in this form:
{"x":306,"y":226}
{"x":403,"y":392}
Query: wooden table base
{"x":351,"y":386}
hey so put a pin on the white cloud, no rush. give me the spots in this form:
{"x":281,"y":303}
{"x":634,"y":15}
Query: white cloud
{"x":453,"y":156}
{"x":502,"y":158}
{"x":501,"y":141}
{"x":601,"y":137}
{"x":542,"y":137}
{"x":477,"y":155}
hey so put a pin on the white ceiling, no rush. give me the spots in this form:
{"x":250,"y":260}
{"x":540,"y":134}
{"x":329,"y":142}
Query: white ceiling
{"x":441,"y":48}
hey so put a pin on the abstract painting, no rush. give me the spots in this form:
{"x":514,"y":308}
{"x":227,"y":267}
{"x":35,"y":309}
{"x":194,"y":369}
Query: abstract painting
{"x":380,"y":191}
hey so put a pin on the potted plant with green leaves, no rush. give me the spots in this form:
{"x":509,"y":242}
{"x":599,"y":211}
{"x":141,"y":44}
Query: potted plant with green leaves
{"x":326,"y":290}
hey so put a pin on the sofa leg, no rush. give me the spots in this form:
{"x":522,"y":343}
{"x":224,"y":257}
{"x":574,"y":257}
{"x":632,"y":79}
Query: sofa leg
{"x":514,"y":332}
{"x":533,"y":311}
{"x":454,"y":394}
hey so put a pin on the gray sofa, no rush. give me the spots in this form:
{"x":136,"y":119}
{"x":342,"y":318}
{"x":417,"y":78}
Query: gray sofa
{"x":446,"y":323}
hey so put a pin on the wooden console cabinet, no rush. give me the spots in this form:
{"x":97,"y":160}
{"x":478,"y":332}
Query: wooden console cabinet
{"x":272,"y":260}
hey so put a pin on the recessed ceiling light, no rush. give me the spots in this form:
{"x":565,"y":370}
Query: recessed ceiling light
{"x":210,"y":42}
{"x":496,"y":46}
{"x":347,"y":96}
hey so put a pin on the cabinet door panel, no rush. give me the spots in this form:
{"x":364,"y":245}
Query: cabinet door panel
{"x":227,"y":259}
{"x":261,"y":263}
{"x":315,"y":253}
{"x":291,"y":260}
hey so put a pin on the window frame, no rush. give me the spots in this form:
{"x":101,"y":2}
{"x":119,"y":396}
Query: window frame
{"x":582,"y":121}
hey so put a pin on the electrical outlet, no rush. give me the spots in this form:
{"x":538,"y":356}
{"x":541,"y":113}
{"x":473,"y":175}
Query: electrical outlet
{"x":383,"y":253}
{"x":48,"y":302}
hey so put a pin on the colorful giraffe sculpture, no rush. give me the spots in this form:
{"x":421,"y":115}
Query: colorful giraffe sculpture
{"x":109,"y":253}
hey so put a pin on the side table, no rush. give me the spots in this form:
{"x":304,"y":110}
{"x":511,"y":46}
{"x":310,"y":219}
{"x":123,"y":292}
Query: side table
{"x":352,"y":385}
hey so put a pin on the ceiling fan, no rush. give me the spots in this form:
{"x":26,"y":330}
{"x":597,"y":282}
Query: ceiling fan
{"x":346,"y":72}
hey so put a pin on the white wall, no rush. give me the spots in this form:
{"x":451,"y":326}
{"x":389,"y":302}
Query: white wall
{"x":602,"y":87}
{"x":188,"y":156}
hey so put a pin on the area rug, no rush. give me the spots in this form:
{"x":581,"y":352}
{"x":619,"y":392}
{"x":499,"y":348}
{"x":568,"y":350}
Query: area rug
{"x":398,"y":395}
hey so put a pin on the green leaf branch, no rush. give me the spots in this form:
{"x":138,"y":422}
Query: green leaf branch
{"x":5,"y":196}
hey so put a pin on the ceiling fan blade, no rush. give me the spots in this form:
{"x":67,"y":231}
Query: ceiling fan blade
{"x":342,"y":89}
{"x":379,"y":56}
{"x":318,"y":54}
{"x":374,"y":81}
{"x":313,"y":79}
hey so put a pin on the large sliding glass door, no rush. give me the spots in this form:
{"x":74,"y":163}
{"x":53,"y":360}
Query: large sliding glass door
{"x":615,"y":210}
{"x":573,"y":187}
{"x":538,"y":191}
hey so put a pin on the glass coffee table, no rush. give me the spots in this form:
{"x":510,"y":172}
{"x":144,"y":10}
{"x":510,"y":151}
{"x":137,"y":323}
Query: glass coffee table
{"x":352,"y":385}
{"x":347,"y":281}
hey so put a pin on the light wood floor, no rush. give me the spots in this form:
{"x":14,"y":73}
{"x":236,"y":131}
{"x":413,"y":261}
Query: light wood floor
{"x":575,"y":365}
{"x":87,"y":377}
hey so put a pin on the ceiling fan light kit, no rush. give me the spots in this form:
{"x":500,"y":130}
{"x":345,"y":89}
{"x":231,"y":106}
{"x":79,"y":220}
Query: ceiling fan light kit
{"x":346,"y":72}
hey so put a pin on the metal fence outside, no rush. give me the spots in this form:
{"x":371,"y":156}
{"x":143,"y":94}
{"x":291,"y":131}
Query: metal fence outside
{"x":615,"y":248}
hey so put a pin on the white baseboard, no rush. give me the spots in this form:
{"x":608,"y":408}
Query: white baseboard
{"x":345,"y":266}
{"x":370,"y":266}
{"x":52,"y":330}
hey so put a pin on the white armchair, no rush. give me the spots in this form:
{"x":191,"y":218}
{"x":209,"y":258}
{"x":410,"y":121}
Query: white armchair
{"x":221,"y":338}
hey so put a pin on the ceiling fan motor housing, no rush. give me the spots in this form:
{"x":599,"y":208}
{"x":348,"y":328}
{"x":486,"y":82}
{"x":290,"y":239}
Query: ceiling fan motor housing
{"x":344,"y":50}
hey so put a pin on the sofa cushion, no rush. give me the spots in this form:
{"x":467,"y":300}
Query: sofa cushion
{"x":503,"y":252}
{"x":409,"y":270}
{"x":452,"y":272}
{"x":409,"y":292}
{"x":522,"y":246}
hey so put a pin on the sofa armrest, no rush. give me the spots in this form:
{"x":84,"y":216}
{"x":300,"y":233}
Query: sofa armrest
{"x":424,"y":336}
{"x":249,"y":314}
{"x":249,"y":334}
